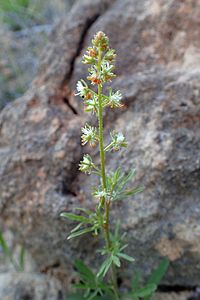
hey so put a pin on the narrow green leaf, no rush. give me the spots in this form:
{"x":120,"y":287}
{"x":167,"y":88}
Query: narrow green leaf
{"x":133,"y":191}
{"x":129,"y":176}
{"x":80,"y":232}
{"x":159,"y":272}
{"x":146,"y":291}
{"x":126,"y":257}
{"x":117,"y":227}
{"x":135,"y":284}
{"x":116,"y":261}
{"x":22,"y":258}
{"x":80,"y":286}
{"x":105,"y":267}
{"x":4,"y":245}
{"x":76,"y":228}
{"x":84,"y":270}
{"x":87,"y":211}
{"x":93,"y":295}
{"x":76,"y":296}
{"x":74,"y":217}
{"x":123,"y":247}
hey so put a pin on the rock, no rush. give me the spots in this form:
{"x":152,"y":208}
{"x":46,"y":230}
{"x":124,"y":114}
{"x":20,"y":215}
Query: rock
{"x":158,"y":68}
{"x":20,"y":50}
{"x":29,"y":286}
{"x":172,"y":296}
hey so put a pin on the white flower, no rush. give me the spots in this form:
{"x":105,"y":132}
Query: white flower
{"x":82,"y":89}
{"x":118,"y":141}
{"x":114,"y":99}
{"x":89,"y":135}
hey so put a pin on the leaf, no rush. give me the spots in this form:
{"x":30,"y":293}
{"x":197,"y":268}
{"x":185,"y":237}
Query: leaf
{"x":105,"y":267}
{"x":146,"y":291}
{"x":22,"y":258}
{"x":123,"y":247}
{"x":136,"y":281}
{"x":76,"y":228}
{"x":85,"y":271}
{"x":74,"y":217}
{"x":8,"y":253}
{"x":133,"y":191}
{"x":159,"y":272}
{"x":93,"y":295}
{"x":76,"y":296}
{"x":87,"y":211}
{"x":4,"y":245}
{"x":126,"y":257}
{"x":117,"y":228}
{"x":80,"y":232}
{"x":116,"y":261}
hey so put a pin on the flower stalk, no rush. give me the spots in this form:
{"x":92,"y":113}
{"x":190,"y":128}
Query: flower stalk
{"x":103,"y":175}
{"x":112,"y":185}
{"x":100,"y":120}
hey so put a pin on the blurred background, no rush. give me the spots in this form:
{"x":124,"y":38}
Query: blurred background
{"x":24,"y":29}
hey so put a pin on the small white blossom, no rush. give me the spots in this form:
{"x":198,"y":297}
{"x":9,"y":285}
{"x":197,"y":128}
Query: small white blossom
{"x":118,"y":141}
{"x":107,"y":71}
{"x":115,"y":99}
{"x":89,"y":135}
{"x":82,"y":89}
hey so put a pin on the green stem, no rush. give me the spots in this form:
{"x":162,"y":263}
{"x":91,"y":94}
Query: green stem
{"x":104,"y":203}
{"x":100,"y":118}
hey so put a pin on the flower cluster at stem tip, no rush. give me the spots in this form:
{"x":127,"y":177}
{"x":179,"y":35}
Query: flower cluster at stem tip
{"x":112,"y":185}
{"x":100,"y":57}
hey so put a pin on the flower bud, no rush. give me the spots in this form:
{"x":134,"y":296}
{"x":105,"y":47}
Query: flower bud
{"x":89,"y":135}
{"x":92,"y":52}
{"x":101,"y":41}
{"x":94,"y":79}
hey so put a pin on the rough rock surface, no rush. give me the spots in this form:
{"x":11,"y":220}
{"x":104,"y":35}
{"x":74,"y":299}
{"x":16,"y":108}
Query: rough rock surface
{"x":159,"y":72}
{"x":20,"y":49}
{"x":27,"y":286}
{"x":172,"y":296}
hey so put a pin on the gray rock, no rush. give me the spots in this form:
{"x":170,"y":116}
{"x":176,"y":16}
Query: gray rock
{"x":172,"y":296}
{"x":20,"y":50}
{"x":27,"y":286}
{"x":158,"y":68}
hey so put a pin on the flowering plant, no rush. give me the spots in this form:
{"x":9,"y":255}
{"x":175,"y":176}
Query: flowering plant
{"x":112,"y":186}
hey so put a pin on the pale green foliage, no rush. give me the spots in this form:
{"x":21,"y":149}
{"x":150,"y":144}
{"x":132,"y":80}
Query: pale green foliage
{"x":146,"y":292}
{"x":17,"y":264}
{"x":113,"y":186}
{"x":115,"y":253}
{"x":116,"y":186}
